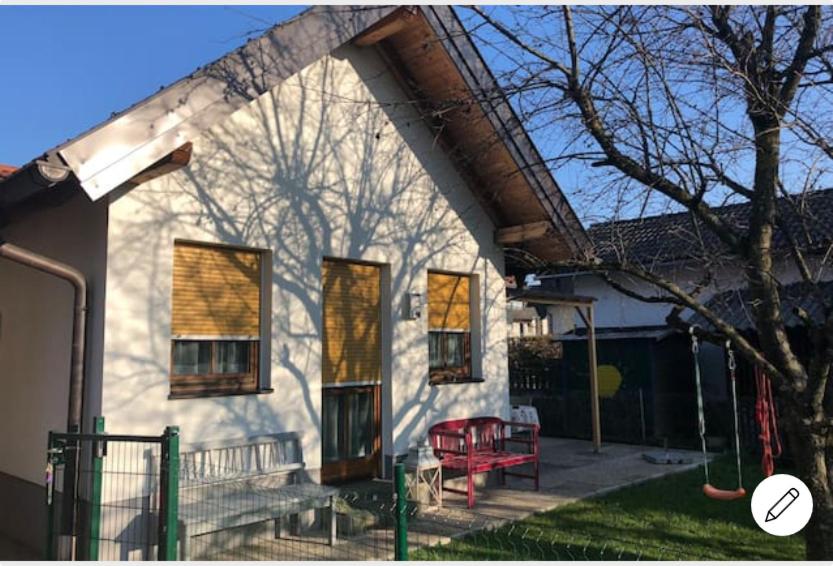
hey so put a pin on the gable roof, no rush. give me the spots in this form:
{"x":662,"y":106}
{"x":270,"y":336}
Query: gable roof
{"x":428,"y":50}
{"x":667,"y":238}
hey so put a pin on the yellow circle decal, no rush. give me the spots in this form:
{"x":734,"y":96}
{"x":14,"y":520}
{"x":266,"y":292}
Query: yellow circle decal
{"x":609,"y":381}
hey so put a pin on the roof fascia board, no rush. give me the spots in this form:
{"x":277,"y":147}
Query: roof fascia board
{"x":112,"y":153}
{"x":480,"y":80}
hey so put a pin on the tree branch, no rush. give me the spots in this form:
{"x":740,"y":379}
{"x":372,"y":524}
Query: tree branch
{"x":684,"y":298}
{"x":803,"y":53}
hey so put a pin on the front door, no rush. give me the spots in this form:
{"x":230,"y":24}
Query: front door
{"x":351,"y":370}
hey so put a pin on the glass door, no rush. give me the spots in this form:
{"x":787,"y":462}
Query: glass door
{"x":350,"y":433}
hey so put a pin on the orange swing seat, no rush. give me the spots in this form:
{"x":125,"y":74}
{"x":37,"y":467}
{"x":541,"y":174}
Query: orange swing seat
{"x":723,"y":494}
{"x":708,"y":489}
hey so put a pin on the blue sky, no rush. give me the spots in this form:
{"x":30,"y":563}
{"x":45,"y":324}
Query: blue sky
{"x":66,"y":69}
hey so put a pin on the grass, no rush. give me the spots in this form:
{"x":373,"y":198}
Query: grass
{"x":664,"y":519}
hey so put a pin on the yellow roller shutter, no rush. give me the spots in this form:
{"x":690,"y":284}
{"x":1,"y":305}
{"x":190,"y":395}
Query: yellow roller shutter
{"x":216,"y":291}
{"x":448,"y":302}
{"x":351,"y":322}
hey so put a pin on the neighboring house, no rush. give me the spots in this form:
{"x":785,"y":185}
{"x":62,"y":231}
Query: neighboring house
{"x":634,"y":335}
{"x":256,"y":238}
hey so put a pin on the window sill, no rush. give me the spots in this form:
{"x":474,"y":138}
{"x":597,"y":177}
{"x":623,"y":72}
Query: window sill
{"x":177,"y":396}
{"x":455,"y":381}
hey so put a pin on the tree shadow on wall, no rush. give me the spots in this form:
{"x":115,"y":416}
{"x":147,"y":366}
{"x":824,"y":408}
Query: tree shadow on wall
{"x":331,"y":163}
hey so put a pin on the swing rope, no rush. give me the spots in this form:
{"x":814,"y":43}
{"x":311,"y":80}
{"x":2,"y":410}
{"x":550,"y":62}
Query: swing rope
{"x":732,"y":373}
{"x":701,"y":414}
{"x":708,"y":489}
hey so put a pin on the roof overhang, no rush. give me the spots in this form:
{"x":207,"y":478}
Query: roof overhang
{"x":433,"y":56}
{"x":430,"y":52}
{"x":640,"y":333}
{"x":546,"y":297}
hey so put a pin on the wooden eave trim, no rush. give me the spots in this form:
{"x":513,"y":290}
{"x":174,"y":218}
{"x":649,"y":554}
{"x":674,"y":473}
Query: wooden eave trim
{"x":387,"y":26}
{"x":177,"y":159}
{"x":410,"y":86}
{"x":523,"y":232}
{"x":478,"y":78}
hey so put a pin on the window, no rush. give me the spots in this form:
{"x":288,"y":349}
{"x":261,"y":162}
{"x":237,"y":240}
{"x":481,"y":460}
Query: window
{"x":215,"y":320}
{"x":449,"y":328}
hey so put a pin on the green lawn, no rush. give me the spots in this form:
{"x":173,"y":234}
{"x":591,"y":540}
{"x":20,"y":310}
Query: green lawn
{"x":664,"y":519}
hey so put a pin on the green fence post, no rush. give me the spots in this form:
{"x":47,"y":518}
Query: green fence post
{"x":50,"y":498}
{"x":98,"y":451}
{"x":169,"y":494}
{"x":401,"y":540}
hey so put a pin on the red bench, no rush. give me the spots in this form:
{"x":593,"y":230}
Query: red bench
{"x":478,"y":445}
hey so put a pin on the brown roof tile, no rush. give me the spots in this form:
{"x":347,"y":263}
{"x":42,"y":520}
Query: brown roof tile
{"x":6,"y":171}
{"x":680,"y":237}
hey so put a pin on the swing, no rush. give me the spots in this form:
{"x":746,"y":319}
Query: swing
{"x":708,"y":489}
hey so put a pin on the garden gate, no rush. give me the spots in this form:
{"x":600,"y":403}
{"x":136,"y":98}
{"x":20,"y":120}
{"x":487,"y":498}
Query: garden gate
{"x":112,"y":497}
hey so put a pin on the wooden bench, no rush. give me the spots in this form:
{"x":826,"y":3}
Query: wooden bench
{"x":229,"y":484}
{"x":478,"y":445}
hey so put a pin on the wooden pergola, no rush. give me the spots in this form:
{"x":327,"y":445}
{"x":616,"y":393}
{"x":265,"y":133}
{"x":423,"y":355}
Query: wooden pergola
{"x":584,"y":308}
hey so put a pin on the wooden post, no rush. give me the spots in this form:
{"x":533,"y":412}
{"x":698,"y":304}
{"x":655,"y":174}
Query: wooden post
{"x":594,"y":380}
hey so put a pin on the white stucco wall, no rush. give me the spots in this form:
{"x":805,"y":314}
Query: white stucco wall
{"x":331,"y":163}
{"x":36,"y":330}
{"x":614,"y":309}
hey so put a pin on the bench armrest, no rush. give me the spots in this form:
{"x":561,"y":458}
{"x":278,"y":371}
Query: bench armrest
{"x":532,"y":426}
{"x":532,"y":442}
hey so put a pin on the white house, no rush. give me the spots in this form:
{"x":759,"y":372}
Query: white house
{"x":257,"y":240}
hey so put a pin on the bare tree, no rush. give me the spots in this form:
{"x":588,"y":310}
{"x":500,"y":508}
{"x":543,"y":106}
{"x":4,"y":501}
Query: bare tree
{"x":688,"y":109}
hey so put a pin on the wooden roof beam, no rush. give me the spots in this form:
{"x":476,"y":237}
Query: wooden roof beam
{"x":523,"y":232}
{"x":177,"y":159}
{"x":387,"y":26}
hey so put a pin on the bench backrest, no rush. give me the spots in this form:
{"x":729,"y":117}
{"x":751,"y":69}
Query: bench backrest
{"x":487,"y":433}
{"x":239,"y":459}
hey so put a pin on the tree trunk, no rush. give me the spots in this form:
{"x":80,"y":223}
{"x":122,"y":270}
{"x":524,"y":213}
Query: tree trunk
{"x":813,"y":454}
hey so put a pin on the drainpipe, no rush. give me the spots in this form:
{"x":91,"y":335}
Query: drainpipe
{"x":79,"y":319}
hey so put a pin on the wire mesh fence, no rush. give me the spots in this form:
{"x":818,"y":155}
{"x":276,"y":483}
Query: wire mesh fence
{"x":268,"y":518}
{"x":361,"y":525}
{"x":104,"y":497}
{"x":519,"y":542}
{"x":256,"y":501}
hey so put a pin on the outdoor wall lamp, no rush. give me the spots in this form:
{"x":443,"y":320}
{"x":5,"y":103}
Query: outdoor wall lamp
{"x":413,"y":306}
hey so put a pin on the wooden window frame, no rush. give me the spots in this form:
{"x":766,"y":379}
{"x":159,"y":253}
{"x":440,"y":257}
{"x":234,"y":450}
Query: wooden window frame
{"x":447,"y":373}
{"x":453,"y":373}
{"x":214,"y":384}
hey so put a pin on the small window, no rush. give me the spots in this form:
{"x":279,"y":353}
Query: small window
{"x":216,"y":366}
{"x":215,"y":320}
{"x":449,"y":356}
{"x":449,"y":328}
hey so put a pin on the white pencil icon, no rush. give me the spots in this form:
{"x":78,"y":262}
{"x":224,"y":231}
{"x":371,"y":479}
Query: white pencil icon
{"x":781,"y":505}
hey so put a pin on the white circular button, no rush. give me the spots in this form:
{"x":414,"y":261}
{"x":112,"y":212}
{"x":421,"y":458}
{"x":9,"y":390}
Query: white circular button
{"x":782,"y":505}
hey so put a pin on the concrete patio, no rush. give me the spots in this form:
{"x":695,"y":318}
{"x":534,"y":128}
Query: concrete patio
{"x":570,"y":471}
